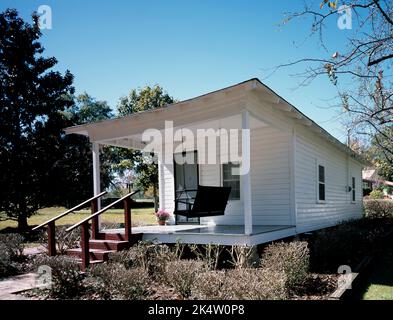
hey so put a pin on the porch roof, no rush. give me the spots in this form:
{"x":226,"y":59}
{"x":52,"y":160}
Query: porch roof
{"x":141,"y":120}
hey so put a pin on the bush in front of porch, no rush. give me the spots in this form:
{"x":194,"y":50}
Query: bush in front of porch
{"x":151,"y":271}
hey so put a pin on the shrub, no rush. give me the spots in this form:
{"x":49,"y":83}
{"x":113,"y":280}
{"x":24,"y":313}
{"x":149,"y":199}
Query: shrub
{"x":181,"y":274}
{"x":7,"y":267}
{"x":376,"y":194}
{"x":64,"y":240}
{"x":114,"y":281}
{"x":66,"y":276}
{"x":378,"y":208}
{"x":256,"y":284}
{"x":127,"y":258}
{"x":210,"y":286}
{"x":243,"y":256}
{"x":13,"y":244}
{"x":243,"y":284}
{"x":179,"y":249}
{"x":293,"y":259}
{"x":11,"y":252}
{"x":208,"y":254}
{"x":151,"y":257}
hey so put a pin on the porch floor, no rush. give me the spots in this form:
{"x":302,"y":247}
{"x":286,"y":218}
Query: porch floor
{"x":204,"y":234}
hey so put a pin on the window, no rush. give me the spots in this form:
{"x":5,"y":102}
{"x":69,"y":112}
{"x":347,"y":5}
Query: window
{"x":321,"y":183}
{"x":353,"y":189}
{"x":231,"y":180}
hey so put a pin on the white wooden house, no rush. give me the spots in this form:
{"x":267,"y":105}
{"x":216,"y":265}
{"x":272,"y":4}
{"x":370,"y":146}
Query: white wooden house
{"x":300,"y":179}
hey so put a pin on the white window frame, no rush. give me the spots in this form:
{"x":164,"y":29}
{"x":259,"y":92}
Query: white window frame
{"x":353,"y":178}
{"x":240,"y":179}
{"x":323,"y":164}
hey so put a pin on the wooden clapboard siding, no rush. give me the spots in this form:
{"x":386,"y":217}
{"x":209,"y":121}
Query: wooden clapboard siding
{"x":270,"y":177}
{"x":338,"y":206}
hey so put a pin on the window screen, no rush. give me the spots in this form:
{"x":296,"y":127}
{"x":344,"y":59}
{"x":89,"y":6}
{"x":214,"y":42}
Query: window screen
{"x":321,"y":183}
{"x":231,"y":180}
{"x":353,"y":189}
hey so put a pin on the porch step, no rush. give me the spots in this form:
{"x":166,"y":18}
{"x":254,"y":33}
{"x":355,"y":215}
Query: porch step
{"x":116,"y":245}
{"x":95,"y":254}
{"x":101,"y":248}
{"x":135,"y":237}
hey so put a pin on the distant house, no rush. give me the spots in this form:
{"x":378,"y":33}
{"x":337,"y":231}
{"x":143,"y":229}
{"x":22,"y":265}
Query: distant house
{"x":300,"y":178}
{"x":370,"y":178}
{"x":371,"y":181}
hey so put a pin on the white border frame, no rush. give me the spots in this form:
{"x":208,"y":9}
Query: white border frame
{"x":319,"y":162}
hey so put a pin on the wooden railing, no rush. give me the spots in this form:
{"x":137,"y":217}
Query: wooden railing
{"x":51,"y":223}
{"x":85,"y":226}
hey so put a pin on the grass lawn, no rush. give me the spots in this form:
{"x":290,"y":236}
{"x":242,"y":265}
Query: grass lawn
{"x":138,"y":216}
{"x":380,"y":284}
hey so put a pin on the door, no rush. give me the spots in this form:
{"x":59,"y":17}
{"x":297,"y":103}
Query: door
{"x":186,"y":182}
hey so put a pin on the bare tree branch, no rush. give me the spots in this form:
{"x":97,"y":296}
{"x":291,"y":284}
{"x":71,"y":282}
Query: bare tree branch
{"x":384,"y":14}
{"x":361,"y":72}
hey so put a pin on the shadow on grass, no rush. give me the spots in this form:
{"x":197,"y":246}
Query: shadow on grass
{"x":378,"y":284}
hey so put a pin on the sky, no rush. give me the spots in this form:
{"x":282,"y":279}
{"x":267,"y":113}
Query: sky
{"x":188,"y":47}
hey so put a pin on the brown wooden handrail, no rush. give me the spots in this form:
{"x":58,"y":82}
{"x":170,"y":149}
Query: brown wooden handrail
{"x":51,"y":229}
{"x":101,"y":211}
{"x":79,"y":206}
{"x":85,"y":250}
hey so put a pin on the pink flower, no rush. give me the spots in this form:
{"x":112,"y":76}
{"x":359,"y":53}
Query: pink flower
{"x":162,"y":215}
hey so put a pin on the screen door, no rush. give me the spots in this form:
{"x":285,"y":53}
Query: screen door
{"x":186,"y":182}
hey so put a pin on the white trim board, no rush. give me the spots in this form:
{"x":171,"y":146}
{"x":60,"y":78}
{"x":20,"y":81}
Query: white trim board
{"x":222,"y":239}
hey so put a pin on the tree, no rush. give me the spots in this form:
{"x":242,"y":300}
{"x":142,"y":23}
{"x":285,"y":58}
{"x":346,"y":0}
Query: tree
{"x":72,"y":172}
{"x":88,"y":110}
{"x":361,"y":70}
{"x":32,"y":97}
{"x":147,"y":98}
{"x":146,"y":170}
{"x":376,"y":153}
{"x":369,"y":49}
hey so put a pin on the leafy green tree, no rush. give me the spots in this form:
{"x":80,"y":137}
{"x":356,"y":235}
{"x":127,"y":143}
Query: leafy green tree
{"x":73,"y":172}
{"x":88,"y":110}
{"x":32,"y":97}
{"x":147,"y":98}
{"x":145,"y":169}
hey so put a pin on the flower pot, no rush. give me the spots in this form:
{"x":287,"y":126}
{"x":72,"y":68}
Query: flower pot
{"x":161,"y":222}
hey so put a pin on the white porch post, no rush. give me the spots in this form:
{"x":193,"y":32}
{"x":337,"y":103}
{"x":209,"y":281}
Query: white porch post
{"x":160,"y":184}
{"x":246,"y":178}
{"x":96,"y":173}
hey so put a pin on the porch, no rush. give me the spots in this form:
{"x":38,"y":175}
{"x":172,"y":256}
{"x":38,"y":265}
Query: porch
{"x":206,"y":234}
